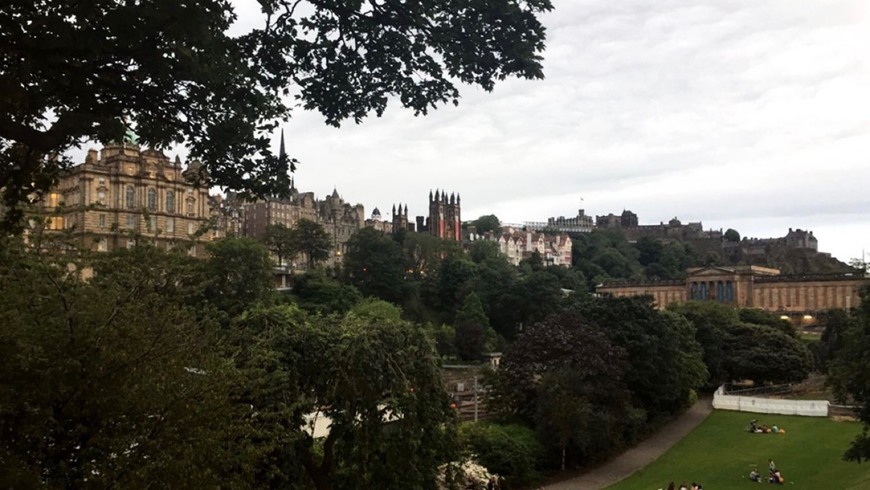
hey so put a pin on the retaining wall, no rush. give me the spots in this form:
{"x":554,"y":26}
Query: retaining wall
{"x":808,"y":408}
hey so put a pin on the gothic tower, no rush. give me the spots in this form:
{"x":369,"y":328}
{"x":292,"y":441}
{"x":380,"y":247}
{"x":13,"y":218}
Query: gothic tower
{"x":445,"y":218}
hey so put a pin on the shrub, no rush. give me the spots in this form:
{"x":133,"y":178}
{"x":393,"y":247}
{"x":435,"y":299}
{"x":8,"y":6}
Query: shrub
{"x":511,"y":451}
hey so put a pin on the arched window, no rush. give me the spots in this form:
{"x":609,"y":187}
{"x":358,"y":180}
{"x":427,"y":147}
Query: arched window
{"x":170,"y":201}
{"x":190,"y":207}
{"x":131,"y":197}
{"x":152,"y":200}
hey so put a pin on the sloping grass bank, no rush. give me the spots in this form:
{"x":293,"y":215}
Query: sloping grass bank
{"x":720,"y":453}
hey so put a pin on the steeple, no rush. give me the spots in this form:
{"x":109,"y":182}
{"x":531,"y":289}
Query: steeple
{"x":282,"y":154}
{"x":430,"y":196}
{"x":437,"y":197}
{"x":394,"y":209}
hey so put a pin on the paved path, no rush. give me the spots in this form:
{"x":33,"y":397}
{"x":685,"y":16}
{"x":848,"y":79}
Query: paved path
{"x":646,"y":452}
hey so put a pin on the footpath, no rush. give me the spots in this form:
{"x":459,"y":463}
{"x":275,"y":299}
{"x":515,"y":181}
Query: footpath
{"x":646,"y":452}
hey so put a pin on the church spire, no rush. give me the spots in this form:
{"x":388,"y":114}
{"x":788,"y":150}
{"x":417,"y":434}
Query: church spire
{"x":282,"y":154}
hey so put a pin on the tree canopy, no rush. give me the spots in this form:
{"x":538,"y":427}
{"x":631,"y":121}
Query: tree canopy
{"x":177,"y":73}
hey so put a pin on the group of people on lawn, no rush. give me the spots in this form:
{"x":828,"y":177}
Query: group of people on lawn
{"x":764,"y":429}
{"x":774,"y":475}
{"x":695,"y":486}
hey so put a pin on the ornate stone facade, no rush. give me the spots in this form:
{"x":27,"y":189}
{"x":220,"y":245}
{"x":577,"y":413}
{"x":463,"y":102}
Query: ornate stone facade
{"x":124,"y":194}
{"x":751,"y":287}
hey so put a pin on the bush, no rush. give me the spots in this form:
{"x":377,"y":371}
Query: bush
{"x":511,"y":451}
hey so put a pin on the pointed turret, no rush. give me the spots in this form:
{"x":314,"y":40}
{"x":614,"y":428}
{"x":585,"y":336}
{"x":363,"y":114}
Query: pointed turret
{"x":437,"y":197}
{"x":394,"y":209}
{"x":452,"y":198}
{"x":430,"y":196}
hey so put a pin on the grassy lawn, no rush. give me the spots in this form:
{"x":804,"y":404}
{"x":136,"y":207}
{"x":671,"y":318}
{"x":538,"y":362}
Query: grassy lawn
{"x":720,"y":453}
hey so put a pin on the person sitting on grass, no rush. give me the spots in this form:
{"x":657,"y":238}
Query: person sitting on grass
{"x":776,"y":478}
{"x":754,"y":476}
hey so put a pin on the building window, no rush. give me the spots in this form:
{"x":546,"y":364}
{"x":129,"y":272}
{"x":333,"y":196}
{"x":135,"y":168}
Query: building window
{"x":190,"y":207}
{"x":102,"y":246}
{"x":102,"y":181}
{"x":131,"y":197}
{"x":190,"y":229}
{"x":55,"y":223}
{"x":170,"y":202}
{"x":131,"y":221}
{"x":152,"y":224}
{"x":102,"y":220}
{"x":170,"y":225}
{"x":101,"y":197}
{"x":152,"y":200}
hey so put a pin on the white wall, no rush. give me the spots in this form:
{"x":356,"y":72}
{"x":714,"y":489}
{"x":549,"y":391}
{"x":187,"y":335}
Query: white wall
{"x":808,"y":408}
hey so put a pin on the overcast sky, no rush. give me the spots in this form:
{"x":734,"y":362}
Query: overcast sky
{"x":744,"y":114}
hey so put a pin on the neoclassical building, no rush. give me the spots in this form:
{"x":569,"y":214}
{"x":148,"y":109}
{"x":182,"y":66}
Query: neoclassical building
{"x":123,"y":194}
{"x":795,"y":296}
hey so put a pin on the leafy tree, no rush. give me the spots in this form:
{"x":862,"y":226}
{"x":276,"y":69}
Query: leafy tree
{"x":77,"y":71}
{"x":539,"y":295}
{"x":444,"y":337}
{"x":665,"y":359}
{"x":115,"y":381}
{"x":712,"y":321}
{"x":423,"y":253}
{"x":319,"y":294}
{"x":511,"y":451}
{"x":487,"y":224}
{"x":375,"y":378}
{"x":239,"y":274}
{"x":454,"y":282}
{"x":731,"y":235}
{"x":280,"y":242}
{"x":836,"y":323}
{"x":309,"y":238}
{"x":764,"y":354}
{"x":859,"y":264}
{"x":471,"y":326}
{"x":767,"y":351}
{"x":566,"y":377}
{"x":758,"y":316}
{"x":483,"y":251}
{"x":375,"y":265}
{"x":849,"y":375}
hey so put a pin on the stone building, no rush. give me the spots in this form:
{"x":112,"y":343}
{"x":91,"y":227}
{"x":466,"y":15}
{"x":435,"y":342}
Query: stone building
{"x":445,"y":217}
{"x":400,"y":219}
{"x":378,"y":223}
{"x":798,"y":297}
{"x":124,"y":194}
{"x":338,"y":218}
{"x":582,"y":223}
{"x":287,"y":211}
{"x":517,"y":245}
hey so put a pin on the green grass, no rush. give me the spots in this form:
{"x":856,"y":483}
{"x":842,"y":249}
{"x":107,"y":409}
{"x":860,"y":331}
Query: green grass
{"x":720,"y":453}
